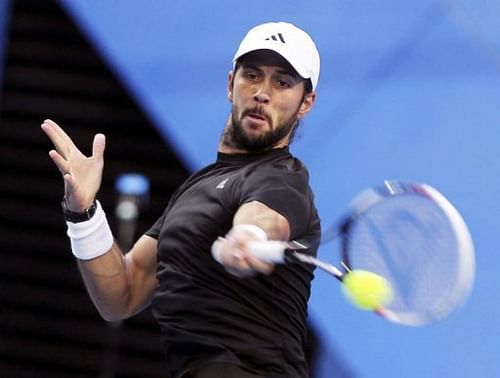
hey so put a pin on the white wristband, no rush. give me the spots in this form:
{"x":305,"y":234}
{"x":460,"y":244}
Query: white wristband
{"x":92,"y":238}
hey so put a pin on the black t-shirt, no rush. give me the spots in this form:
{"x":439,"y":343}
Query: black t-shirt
{"x":208,"y":315}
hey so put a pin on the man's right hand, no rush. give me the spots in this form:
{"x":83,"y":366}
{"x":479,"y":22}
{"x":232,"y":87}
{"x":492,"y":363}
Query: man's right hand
{"x":82,"y":175}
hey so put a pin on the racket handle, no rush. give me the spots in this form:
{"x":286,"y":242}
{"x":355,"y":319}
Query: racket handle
{"x":269,"y":250}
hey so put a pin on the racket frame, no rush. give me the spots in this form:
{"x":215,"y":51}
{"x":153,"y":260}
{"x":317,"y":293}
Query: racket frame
{"x":358,"y":207}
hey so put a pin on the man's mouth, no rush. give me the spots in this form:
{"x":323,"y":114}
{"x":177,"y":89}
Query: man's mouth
{"x":256,"y":116}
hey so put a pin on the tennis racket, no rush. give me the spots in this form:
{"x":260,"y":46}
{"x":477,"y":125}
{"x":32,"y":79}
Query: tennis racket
{"x":409,"y":234}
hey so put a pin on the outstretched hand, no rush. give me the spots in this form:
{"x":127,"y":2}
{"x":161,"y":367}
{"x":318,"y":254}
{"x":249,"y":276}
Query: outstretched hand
{"x":82,"y":175}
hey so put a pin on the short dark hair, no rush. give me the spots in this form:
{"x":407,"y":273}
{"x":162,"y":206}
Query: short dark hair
{"x":308,"y":86}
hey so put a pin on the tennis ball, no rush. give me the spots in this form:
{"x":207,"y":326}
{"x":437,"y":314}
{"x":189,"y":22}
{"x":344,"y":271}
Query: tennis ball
{"x":367,"y":290}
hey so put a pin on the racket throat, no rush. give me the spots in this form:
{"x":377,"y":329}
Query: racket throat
{"x":329,"y":268}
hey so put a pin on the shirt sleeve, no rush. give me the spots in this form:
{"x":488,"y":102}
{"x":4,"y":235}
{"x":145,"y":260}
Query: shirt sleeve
{"x":154,"y":231}
{"x":284,"y":188}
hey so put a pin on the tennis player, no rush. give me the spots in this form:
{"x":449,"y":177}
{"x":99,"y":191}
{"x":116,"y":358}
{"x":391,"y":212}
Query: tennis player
{"x":222,"y":312}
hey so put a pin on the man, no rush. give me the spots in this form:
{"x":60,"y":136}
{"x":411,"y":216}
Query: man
{"x":222,"y":311}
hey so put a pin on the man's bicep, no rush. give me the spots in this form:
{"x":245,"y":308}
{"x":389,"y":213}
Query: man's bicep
{"x":143,"y":254}
{"x":273,"y":223}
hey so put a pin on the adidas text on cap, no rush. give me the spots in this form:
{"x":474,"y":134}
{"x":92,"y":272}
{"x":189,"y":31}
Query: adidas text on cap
{"x":292,"y":43}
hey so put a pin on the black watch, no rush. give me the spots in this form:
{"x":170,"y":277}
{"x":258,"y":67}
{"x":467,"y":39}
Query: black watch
{"x":75,"y":217}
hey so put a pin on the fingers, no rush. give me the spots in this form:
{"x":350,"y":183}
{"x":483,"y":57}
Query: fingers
{"x":239,"y":261}
{"x":61,"y":141}
{"x":69,"y":182}
{"x":82,"y":175}
{"x":60,"y":132}
{"x":59,"y":161}
{"x":98,"y":146}
{"x":55,"y":138}
{"x":259,"y":265}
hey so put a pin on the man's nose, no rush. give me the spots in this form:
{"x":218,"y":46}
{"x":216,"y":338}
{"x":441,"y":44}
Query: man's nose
{"x":263,"y":92}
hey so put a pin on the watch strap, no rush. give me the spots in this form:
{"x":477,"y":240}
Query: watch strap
{"x":78,"y":217}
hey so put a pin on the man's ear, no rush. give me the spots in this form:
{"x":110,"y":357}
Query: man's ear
{"x":230,"y":84}
{"x":307,"y":104}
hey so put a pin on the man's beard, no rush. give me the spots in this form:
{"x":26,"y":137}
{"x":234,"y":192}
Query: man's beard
{"x":235,"y":135}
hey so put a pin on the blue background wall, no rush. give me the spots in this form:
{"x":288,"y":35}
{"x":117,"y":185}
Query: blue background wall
{"x":408,"y":91}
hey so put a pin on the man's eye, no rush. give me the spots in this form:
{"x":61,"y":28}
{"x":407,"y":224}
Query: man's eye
{"x":284,"y":84}
{"x":251,"y":75}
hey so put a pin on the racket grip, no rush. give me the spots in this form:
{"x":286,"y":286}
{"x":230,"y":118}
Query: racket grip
{"x":270,"y":250}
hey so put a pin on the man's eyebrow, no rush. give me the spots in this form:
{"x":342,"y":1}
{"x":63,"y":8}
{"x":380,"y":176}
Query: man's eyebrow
{"x":280,"y":70}
{"x":284,"y":71}
{"x":250,"y":65}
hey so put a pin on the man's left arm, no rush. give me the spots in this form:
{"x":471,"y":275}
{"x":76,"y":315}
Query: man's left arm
{"x":253,"y":221}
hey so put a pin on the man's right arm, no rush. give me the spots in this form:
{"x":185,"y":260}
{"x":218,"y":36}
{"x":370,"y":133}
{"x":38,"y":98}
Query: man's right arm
{"x":122,"y":285}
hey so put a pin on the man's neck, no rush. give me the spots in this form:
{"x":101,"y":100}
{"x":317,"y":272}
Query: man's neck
{"x":231,"y":150}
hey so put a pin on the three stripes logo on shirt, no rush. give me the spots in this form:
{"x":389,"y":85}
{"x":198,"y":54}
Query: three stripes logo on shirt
{"x":222,"y":184}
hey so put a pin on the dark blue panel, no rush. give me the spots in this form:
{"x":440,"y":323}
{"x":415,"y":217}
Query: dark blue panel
{"x":4,"y":21}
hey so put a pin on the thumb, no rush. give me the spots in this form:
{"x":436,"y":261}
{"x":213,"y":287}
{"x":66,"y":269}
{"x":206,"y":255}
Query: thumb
{"x":98,"y":146}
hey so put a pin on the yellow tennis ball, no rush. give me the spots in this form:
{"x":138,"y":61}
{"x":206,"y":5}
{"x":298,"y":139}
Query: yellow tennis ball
{"x":367,"y":290}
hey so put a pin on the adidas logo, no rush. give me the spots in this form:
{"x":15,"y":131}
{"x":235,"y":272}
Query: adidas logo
{"x":276,"y":37}
{"x":221,"y":184}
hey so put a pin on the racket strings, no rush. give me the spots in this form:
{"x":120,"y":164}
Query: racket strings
{"x":414,"y":249}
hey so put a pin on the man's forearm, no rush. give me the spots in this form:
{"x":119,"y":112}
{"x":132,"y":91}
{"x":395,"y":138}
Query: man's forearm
{"x":108,"y":284}
{"x":122,"y":285}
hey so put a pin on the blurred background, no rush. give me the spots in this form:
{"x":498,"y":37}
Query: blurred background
{"x":408,"y":91}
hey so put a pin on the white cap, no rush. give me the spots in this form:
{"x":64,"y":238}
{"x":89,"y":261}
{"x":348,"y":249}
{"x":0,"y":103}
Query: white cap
{"x":292,"y":43}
